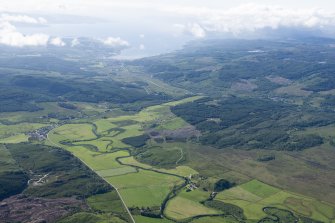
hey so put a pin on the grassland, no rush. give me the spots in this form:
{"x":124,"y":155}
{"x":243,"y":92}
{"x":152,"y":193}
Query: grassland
{"x":7,"y":131}
{"x":187,"y":204}
{"x":143,"y":219}
{"x":218,"y":219}
{"x":15,"y":139}
{"x":75,"y":132}
{"x":184,"y":171}
{"x":145,"y":188}
{"x":43,"y":116}
{"x":253,"y":196}
{"x":99,"y":144}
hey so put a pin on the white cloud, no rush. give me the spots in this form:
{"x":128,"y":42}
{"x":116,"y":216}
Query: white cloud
{"x":116,"y":42}
{"x":75,"y":42}
{"x":10,"y":36}
{"x":57,"y":41}
{"x":141,"y":36}
{"x":196,"y":30}
{"x":252,"y":17}
{"x":193,"y":29}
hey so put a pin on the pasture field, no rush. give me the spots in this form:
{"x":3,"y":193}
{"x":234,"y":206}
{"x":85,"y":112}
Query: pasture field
{"x":259,"y":189}
{"x":145,"y":188}
{"x":98,"y":143}
{"x":104,"y":125}
{"x":227,"y":219}
{"x":132,"y":161}
{"x":184,"y":171}
{"x":187,"y":204}
{"x":13,"y":130}
{"x":101,"y":144}
{"x":116,"y":171}
{"x":75,"y":132}
{"x":142,"y":219}
{"x":253,"y":196}
{"x":172,"y":124}
{"x":303,"y":172}
{"x":98,"y":161}
{"x":15,"y":139}
{"x":90,"y":108}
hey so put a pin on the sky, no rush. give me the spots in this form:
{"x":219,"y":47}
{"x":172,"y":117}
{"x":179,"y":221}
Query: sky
{"x":145,"y":27}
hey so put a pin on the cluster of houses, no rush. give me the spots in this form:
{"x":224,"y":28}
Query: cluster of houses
{"x":41,"y":133}
{"x":191,"y":185}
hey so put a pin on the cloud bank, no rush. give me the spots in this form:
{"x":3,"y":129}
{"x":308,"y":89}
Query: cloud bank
{"x":10,"y":36}
{"x":116,"y":42}
{"x":252,"y":18}
{"x":57,"y":42}
{"x":193,"y":29}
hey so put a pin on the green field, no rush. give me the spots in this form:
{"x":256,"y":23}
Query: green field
{"x":187,"y":204}
{"x":253,"y":196}
{"x":75,"y":132}
{"x":138,"y":188}
{"x":184,"y":171}
{"x":142,"y":219}
{"x":145,"y":188}
{"x":116,"y":171}
{"x":13,"y":130}
{"x":15,"y":139}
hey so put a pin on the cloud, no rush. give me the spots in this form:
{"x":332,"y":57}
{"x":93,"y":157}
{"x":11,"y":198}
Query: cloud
{"x":116,"y":42}
{"x":196,"y":30}
{"x":11,"y":37}
{"x":251,"y":18}
{"x":193,"y":29}
{"x":57,"y":42}
{"x":75,"y":42}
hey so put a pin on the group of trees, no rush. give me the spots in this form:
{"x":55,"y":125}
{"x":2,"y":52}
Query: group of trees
{"x":252,"y":123}
{"x":24,"y":92}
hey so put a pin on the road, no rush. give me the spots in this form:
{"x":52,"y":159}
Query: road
{"x":117,"y":191}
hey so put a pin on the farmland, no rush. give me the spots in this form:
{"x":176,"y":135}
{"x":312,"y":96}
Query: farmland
{"x":99,"y":144}
{"x":184,"y":137}
{"x":147,"y":182}
{"x":254,"y":196}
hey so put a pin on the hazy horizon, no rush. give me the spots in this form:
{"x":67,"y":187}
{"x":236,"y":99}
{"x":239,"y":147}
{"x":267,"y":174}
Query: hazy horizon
{"x":152,"y":27}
